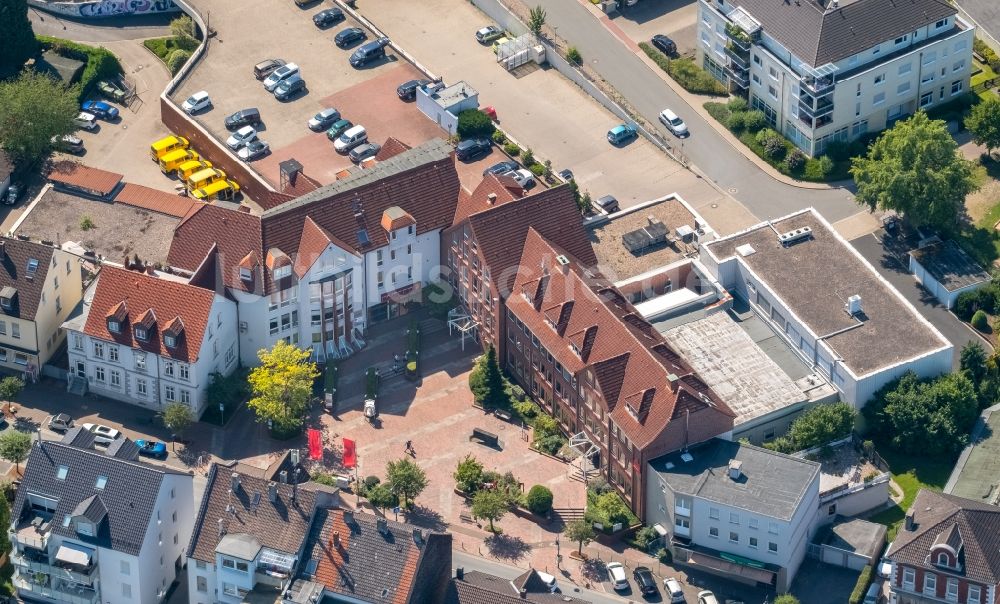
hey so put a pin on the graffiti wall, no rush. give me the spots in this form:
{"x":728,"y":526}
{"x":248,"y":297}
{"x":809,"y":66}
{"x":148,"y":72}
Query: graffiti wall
{"x":96,"y":9}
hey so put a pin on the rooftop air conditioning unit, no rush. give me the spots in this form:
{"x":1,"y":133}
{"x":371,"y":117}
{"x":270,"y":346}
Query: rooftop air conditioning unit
{"x":795,"y":235}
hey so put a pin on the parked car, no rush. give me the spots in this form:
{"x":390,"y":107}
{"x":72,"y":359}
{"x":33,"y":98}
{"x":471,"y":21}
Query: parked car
{"x":338,"y":128}
{"x":289,"y":87}
{"x":644,"y":579}
{"x":85,"y":120}
{"x":241,"y":137}
{"x":621,"y":133}
{"x":364,"y":151}
{"x":328,"y":17}
{"x":60,"y":423}
{"x":874,"y":593}
{"x":548,"y":580}
{"x":12,"y":194}
{"x":664,"y":45}
{"x":502,"y":167}
{"x":255,"y":149}
{"x":100,"y":109}
{"x":351,"y":138}
{"x":707,"y":597}
{"x":407,"y":91}
{"x":673,"y":123}
{"x":196,"y":102}
{"x":616,"y":574}
{"x":488,"y":34}
{"x":68,"y":144}
{"x":243,"y":117}
{"x":608,"y":203}
{"x":498,"y":43}
{"x":301,"y":3}
{"x":151,"y":448}
{"x":524,"y":178}
{"x":267,"y":67}
{"x":472,"y":148}
{"x":566,"y":174}
{"x":323,"y":120}
{"x":103,"y":435}
{"x":368,"y":52}
{"x":349,"y":36}
{"x":673,"y":588}
{"x":278,"y":75}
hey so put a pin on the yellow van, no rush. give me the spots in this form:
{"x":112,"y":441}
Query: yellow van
{"x":173,"y":160}
{"x":204,"y":177}
{"x":185,"y":170}
{"x":220,"y":189}
{"x":166,"y":145}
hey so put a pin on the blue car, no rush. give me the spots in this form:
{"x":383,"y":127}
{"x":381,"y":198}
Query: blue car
{"x":100,"y":109}
{"x":621,"y":133}
{"x":151,"y":448}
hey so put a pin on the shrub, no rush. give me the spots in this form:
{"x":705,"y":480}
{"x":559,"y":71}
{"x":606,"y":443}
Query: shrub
{"x":468,"y":474}
{"x":795,"y":160}
{"x":864,"y":579}
{"x":786,"y":599}
{"x":177,"y":59}
{"x":324,"y":478}
{"x":969,"y":302}
{"x":782,"y":444}
{"x":499,"y":137}
{"x":527,"y":409}
{"x":737,"y":120}
{"x":545,"y":425}
{"x":512,"y":149}
{"x":818,"y":168}
{"x":550,"y":444}
{"x":86,"y":223}
{"x":772,"y":142}
{"x":981,"y":322}
{"x":528,"y":157}
{"x":537,"y":169}
{"x":573,"y":55}
{"x":645,"y":536}
{"x":737,"y":104}
{"x":686,"y":72}
{"x":754,"y":120}
{"x":101,"y":64}
{"x":539,"y":499}
{"x":839,"y":150}
{"x":473,"y":123}
{"x":517,"y":394}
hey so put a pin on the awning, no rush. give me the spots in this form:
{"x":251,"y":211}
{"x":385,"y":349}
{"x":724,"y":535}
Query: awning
{"x":74,"y":554}
{"x":660,"y":530}
{"x":747,"y":572}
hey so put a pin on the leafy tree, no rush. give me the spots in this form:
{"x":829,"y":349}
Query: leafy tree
{"x":282,"y":385}
{"x":545,"y":425}
{"x":183,"y":27}
{"x":17,"y":40}
{"x":539,"y":499}
{"x":405,"y":479}
{"x":473,"y":123}
{"x":177,"y":417}
{"x":580,"y":532}
{"x":973,"y":361}
{"x":980,"y":321}
{"x":469,"y":474}
{"x":645,"y":536}
{"x":486,"y":381}
{"x":382,"y":497}
{"x":984,"y":123}
{"x":34,"y":108}
{"x":5,"y":544}
{"x":177,"y":59}
{"x":915,"y":169}
{"x":10,"y":387}
{"x":536,"y":19}
{"x":822,"y":424}
{"x":786,"y":599}
{"x":15,"y":446}
{"x":611,"y":508}
{"x":491,"y":505}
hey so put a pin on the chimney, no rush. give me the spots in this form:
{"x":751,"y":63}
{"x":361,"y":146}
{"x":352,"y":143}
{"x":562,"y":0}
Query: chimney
{"x":460,"y":573}
{"x":418,"y":537}
{"x":222,"y":527}
{"x":383,"y":526}
{"x":674,"y":381}
{"x":911,"y":524}
{"x":235,"y":482}
{"x":127,"y":263}
{"x":272,"y":491}
{"x":735,"y":469}
{"x":295,"y":485}
{"x":523,"y":593}
{"x":336,"y":539}
{"x":283,"y":476}
{"x":348,"y":517}
{"x":491,"y":199}
{"x":3,"y":250}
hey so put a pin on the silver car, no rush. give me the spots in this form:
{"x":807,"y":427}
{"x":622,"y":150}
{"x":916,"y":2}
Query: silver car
{"x":279,"y":74}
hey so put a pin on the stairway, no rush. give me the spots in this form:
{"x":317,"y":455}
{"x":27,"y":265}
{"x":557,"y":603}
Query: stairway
{"x":76,"y":385}
{"x":567,"y":515}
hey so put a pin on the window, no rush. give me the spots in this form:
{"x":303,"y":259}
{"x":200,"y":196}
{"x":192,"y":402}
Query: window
{"x":168,"y":393}
{"x":20,"y":358}
{"x":942,"y":559}
{"x":859,"y":128}
{"x":755,"y":78}
{"x":380,"y":279}
{"x":126,"y":590}
{"x":273,"y":325}
{"x":116,"y":378}
{"x":880,"y":79}
{"x":753,"y":542}
{"x":734,"y":518}
{"x":930,"y":583}
{"x":202,"y":582}
{"x":169,"y":341}
{"x":857,"y":109}
{"x":113,"y":354}
{"x":99,"y":350}
{"x":713,"y":513}
{"x":927,"y":78}
{"x":230,"y":590}
{"x":956,"y":87}
{"x":952,"y":590}
{"x":876,"y":50}
{"x":903,"y":88}
{"x":140,"y":361}
{"x":77,"y":338}
{"x":878,"y":99}
{"x":771,"y":71}
{"x":756,"y":58}
{"x":61,"y":472}
{"x":904,"y":68}
{"x":908,"y":578}
{"x":930,"y":57}
{"x":168,"y":368}
{"x":184,"y":371}
{"x":185,"y":397}
{"x":771,"y":91}
{"x":140,"y":387}
{"x":926,"y":99}
{"x":734,"y":537}
{"x":958,"y":66}
{"x":772,"y":547}
{"x":227,"y":563}
{"x":899,"y":40}
{"x":58,"y":305}
{"x":940,"y":24}
{"x":126,"y":570}
{"x":772,"y":527}
{"x":99,"y":374}
{"x":378,"y":257}
{"x":974,"y":596}
{"x":831,"y":510}
{"x":713,"y":532}
{"x":114,"y":326}
{"x":752,"y":523}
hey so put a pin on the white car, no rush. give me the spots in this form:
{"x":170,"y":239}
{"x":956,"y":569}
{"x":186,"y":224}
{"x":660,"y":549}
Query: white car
{"x":617,"y":576}
{"x":241,"y":137}
{"x":707,"y":597}
{"x":524,"y":178}
{"x":673,"y":588}
{"x":280,"y":74}
{"x":548,"y":580}
{"x":103,"y":435}
{"x":196,"y":102}
{"x":673,"y":123}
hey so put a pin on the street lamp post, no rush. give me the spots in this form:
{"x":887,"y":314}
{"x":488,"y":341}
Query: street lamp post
{"x":222,"y":414}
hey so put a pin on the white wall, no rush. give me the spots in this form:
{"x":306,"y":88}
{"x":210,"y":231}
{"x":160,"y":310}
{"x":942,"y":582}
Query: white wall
{"x":193,"y":572}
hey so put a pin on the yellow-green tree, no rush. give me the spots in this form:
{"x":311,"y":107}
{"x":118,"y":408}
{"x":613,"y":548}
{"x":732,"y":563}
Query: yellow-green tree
{"x":282,"y":386}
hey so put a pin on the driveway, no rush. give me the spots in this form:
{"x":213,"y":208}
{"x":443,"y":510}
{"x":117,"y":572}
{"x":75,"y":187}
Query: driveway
{"x":818,"y":583}
{"x":677,"y":19}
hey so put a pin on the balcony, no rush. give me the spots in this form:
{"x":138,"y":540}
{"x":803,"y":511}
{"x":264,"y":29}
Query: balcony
{"x":821,"y":108}
{"x":738,"y":76}
{"x":738,"y":37}
{"x":817,"y":86}
{"x":271,"y":579}
{"x":29,"y":564}
{"x":738,"y":56}
{"x":682,"y":511}
{"x":40,"y":585}
{"x":816,"y":123}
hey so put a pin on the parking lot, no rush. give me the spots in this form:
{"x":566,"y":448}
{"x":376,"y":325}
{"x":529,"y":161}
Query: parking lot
{"x":676,"y":19}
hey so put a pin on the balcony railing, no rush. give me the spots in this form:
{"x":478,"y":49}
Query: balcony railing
{"x":737,"y":56}
{"x":823,"y":107}
{"x":818,"y":122}
{"x":682,"y":511}
{"x":818,"y":85}
{"x":682,"y":531}
{"x":738,"y":76}
{"x":60,"y":593}
{"x":738,"y":37}
{"x":30,"y":565}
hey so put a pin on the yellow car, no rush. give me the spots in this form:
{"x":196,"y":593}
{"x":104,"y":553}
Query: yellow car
{"x":166,"y":145}
{"x":173,"y":160}
{"x":204,"y":177}
{"x":220,"y":189}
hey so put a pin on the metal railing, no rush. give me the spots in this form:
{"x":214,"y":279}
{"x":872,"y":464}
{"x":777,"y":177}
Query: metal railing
{"x":24,"y":562}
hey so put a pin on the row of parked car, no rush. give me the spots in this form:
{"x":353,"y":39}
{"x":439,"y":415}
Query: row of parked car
{"x":105,"y":435}
{"x":202,"y":181}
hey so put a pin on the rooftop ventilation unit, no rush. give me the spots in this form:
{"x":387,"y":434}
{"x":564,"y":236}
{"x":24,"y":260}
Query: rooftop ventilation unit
{"x":687,"y":457}
{"x":853,"y":306}
{"x":652,"y":234}
{"x":562,"y":260}
{"x":795,"y":235}
{"x":735,"y":469}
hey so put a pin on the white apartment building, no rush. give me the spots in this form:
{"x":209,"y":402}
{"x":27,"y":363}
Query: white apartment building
{"x":833,"y":70}
{"x":150,"y":340}
{"x":91,"y":527}
{"x":735,"y":510}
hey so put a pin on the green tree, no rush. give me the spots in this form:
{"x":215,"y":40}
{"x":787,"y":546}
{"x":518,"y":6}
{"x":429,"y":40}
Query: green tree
{"x":469,"y":474}
{"x":183,"y":27}
{"x":382,"y":497}
{"x":611,"y":508}
{"x":34,"y":109}
{"x":545,"y":425}
{"x":486,"y":381}
{"x":536,"y":19}
{"x":282,"y":386}
{"x":973,"y":361}
{"x":984,"y":123}
{"x":539,"y":499}
{"x":405,"y":479}
{"x":473,"y":123}
{"x":17,"y":40}
{"x":822,"y":424}
{"x":177,"y":417}
{"x":10,"y":387}
{"x":491,"y":505}
{"x":5,"y":544}
{"x":15,"y":446}
{"x":915,"y":168}
{"x":579,"y":531}
{"x":786,"y":599}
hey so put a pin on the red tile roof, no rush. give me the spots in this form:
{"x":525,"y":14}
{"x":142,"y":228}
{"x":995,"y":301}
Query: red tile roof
{"x":608,"y":335}
{"x":479,"y":199}
{"x":79,"y":176}
{"x":395,"y":217}
{"x":14,"y":259}
{"x":237,"y":235}
{"x":154,"y":303}
{"x":154,"y":200}
{"x":391,"y":148}
{"x":301,"y":184}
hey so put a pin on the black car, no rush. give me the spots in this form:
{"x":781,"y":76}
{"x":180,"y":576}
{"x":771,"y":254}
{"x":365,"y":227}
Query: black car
{"x":349,"y":36}
{"x":566,"y":174}
{"x":472,"y":148}
{"x":502,"y":168}
{"x":664,"y":44}
{"x":368,"y":52}
{"x":644,"y":579}
{"x":328,"y":17}
{"x":407,"y":91}
{"x":289,"y":88}
{"x":243,"y":117}
{"x":13,"y":192}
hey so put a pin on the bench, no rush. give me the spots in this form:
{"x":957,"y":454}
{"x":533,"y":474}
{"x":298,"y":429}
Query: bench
{"x":466,"y":517}
{"x":487,"y":438}
{"x":504,"y":415}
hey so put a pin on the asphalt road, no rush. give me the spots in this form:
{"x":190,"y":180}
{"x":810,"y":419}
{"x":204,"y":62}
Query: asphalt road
{"x":100,"y":30}
{"x":649,"y":94}
{"x":986,"y":13}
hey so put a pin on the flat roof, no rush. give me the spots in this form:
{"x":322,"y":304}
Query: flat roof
{"x":950,"y":265}
{"x":456,"y":93}
{"x":772,"y":484}
{"x":856,"y":535}
{"x":729,"y":361}
{"x":616,"y":262}
{"x":815,"y":276}
{"x":977,"y":475}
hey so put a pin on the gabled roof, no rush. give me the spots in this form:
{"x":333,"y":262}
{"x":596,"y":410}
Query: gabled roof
{"x":392,"y":147}
{"x":78,"y":176}
{"x":148,"y":298}
{"x":154,"y":200}
{"x":314,"y":241}
{"x":14,"y":258}
{"x":477,"y":587}
{"x":236,"y":235}
{"x":975,"y":525}
{"x":127,"y":499}
{"x":480,"y":198}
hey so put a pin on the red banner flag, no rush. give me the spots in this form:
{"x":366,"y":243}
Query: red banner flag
{"x":315,"y":444}
{"x":350,"y":454}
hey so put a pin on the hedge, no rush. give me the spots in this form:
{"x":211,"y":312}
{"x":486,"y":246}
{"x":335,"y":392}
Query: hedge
{"x":864,"y":580}
{"x":686,"y":72}
{"x":174,"y":51}
{"x":101,"y":64}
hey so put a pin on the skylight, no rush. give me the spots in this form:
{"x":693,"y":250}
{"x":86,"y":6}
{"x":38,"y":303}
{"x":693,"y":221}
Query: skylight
{"x":61,"y":472}
{"x":102,"y":481}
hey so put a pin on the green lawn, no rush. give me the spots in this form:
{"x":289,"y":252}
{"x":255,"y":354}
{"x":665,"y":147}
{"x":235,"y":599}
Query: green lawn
{"x":911,"y":474}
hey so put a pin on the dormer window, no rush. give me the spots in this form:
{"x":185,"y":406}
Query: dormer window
{"x":141,"y":334}
{"x":85,"y":528}
{"x":114,"y":326}
{"x":169,"y":341}
{"x":282,"y":271}
{"x":7,"y":295}
{"x":246,"y":274}
{"x":6,"y":303}
{"x":942,"y":559}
